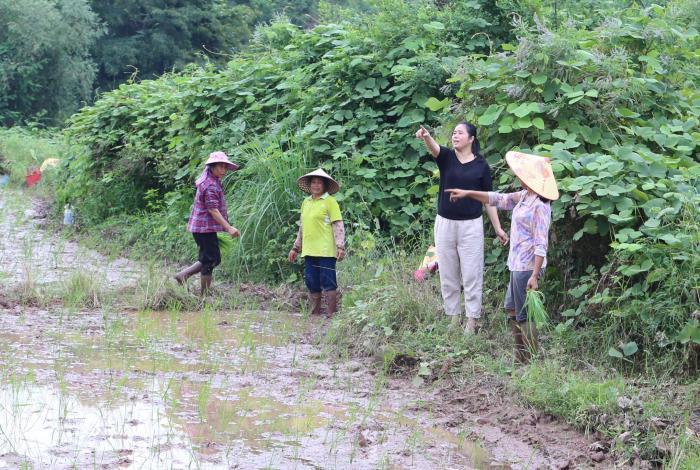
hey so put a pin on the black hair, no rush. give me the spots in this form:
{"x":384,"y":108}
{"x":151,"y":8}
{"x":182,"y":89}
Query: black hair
{"x":471,"y":130}
{"x":544,"y":199}
{"x":325,"y":182}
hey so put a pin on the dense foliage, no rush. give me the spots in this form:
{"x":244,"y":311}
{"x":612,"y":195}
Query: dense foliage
{"x":350,"y":94}
{"x":149,"y":38}
{"x":56,"y":55}
{"x":615,"y":104}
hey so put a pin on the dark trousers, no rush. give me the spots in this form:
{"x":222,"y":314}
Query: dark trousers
{"x":209,"y":253}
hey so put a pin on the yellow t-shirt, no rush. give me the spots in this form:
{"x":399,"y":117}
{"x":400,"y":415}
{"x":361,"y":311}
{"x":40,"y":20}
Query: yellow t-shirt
{"x":317,"y":215}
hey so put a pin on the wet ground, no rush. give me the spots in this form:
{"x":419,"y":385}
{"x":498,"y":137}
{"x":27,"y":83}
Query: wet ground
{"x":32,"y":256}
{"x":228,"y":385}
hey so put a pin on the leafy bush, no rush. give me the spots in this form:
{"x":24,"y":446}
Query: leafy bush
{"x":351,"y":94}
{"x":616,"y":105}
{"x":617,"y":108}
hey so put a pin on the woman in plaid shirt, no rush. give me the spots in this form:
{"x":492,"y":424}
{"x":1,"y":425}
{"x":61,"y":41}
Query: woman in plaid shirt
{"x":209,"y":216}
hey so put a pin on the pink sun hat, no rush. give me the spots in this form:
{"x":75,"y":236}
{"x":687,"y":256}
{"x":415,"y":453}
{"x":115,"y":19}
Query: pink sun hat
{"x":221,"y":157}
{"x":215,"y":157}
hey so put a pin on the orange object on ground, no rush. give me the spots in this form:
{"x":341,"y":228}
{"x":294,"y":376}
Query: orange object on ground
{"x":33,"y":177}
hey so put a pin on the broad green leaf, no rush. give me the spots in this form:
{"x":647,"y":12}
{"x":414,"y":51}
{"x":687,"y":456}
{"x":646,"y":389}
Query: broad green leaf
{"x":670,"y":239}
{"x":690,"y":333}
{"x":436,"y":105}
{"x":615,"y":353}
{"x":629,"y":348}
{"x":559,"y":134}
{"x":627,"y":113}
{"x":522,"y":110}
{"x":483,"y":84}
{"x":591,"y":226}
{"x":523,"y":123}
{"x":538,"y":79}
{"x":412,"y":117}
{"x":434,"y":26}
{"x":490,"y":115}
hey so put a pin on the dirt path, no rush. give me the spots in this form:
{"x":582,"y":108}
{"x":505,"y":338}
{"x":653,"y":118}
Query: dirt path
{"x":31,"y":256}
{"x":230,"y":386}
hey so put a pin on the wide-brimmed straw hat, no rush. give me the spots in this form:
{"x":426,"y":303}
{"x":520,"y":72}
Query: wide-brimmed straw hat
{"x":304,"y":182}
{"x":535,"y":171}
{"x":221,"y":157}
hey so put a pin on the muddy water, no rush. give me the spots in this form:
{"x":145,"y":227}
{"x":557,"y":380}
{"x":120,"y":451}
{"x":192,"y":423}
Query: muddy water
{"x":221,"y":387}
{"x":210,"y":389}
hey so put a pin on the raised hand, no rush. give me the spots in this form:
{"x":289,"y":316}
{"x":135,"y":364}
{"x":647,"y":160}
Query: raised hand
{"x":422,"y":133}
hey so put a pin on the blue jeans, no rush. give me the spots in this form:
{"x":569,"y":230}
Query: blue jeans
{"x":319,"y":274}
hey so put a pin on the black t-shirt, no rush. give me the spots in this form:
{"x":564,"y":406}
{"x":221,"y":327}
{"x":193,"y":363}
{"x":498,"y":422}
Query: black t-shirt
{"x":474,"y":175}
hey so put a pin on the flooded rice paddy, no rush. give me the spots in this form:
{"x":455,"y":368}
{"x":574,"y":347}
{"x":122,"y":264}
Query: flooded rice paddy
{"x":90,"y":378}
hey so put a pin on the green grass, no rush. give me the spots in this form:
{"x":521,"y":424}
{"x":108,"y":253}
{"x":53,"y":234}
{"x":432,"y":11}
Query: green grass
{"x":23,"y":149}
{"x":400,"y":322}
{"x":578,"y":397}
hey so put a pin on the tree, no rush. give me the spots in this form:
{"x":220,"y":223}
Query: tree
{"x":151,"y":37}
{"x":45,"y":65}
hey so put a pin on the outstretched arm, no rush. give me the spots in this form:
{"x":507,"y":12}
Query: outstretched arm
{"x":481,"y":196}
{"x":432,"y":146}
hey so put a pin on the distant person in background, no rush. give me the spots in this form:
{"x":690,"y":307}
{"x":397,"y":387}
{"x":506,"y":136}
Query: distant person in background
{"x":320,"y":239}
{"x":209,"y":216}
{"x":529,"y":232}
{"x":459,"y":229}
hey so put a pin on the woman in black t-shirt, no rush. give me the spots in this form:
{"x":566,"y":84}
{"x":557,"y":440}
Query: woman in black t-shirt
{"x":459,"y":229}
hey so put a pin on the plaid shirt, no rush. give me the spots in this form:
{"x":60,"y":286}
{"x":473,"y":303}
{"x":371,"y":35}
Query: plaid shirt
{"x":210,"y":195}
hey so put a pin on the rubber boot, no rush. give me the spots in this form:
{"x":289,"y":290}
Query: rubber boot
{"x":530,"y":339}
{"x":331,"y":303}
{"x":518,"y":341}
{"x":315,"y":303}
{"x":185,"y":274}
{"x":205,"y":284}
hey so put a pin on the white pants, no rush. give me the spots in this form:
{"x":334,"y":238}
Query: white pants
{"x":460,"y":251}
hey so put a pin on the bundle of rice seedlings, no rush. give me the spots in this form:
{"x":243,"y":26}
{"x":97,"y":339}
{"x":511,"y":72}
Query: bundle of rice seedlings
{"x":534,"y":302}
{"x":225,"y":243}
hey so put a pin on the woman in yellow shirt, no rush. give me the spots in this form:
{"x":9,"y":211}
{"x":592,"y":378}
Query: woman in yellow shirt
{"x":320,"y":239}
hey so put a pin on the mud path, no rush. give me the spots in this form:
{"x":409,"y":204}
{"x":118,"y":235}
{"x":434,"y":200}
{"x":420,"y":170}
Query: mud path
{"x":31,"y":256}
{"x":230,"y":385}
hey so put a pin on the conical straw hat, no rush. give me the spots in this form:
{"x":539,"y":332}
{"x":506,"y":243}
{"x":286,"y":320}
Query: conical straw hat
{"x":536,"y":172}
{"x":304,"y":182}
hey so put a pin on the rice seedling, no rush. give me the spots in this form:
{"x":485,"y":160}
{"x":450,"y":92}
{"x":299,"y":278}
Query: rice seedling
{"x":534,"y":303}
